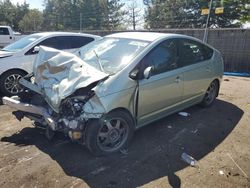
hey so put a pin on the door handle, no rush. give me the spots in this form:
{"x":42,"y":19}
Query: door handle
{"x":177,"y":79}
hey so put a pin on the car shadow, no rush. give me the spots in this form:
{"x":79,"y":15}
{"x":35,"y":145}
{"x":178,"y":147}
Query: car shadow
{"x":155,"y":151}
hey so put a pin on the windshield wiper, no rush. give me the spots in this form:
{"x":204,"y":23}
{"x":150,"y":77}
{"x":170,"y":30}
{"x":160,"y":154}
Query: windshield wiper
{"x":99,"y":61}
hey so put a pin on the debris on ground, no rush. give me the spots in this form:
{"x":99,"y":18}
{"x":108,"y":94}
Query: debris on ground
{"x":221,"y":172}
{"x":188,"y":159}
{"x":243,"y":172}
{"x":185,"y":114}
{"x":227,"y":80}
{"x":194,"y":131}
{"x":170,"y":127}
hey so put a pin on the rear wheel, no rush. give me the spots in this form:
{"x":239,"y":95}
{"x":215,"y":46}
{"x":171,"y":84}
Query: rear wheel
{"x":9,"y":82}
{"x":109,"y":134}
{"x":211,"y":94}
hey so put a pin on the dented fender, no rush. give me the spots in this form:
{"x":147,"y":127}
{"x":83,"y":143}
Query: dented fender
{"x":93,"y":108}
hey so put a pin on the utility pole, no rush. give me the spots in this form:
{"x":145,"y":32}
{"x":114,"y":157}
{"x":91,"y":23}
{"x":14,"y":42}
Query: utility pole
{"x":80,"y":22}
{"x":207,"y":22}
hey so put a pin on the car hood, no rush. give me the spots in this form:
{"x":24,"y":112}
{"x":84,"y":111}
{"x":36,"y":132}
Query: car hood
{"x":59,"y":74}
{"x":4,"y":54}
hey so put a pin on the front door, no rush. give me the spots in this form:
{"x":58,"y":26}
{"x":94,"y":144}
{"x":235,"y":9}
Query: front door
{"x":162,"y":92}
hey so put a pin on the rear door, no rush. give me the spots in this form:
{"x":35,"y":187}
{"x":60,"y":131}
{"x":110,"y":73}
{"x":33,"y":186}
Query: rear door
{"x":162,"y":92}
{"x":195,"y":60}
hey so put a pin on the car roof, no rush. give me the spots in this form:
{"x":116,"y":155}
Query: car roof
{"x":146,"y":36}
{"x":59,"y":33}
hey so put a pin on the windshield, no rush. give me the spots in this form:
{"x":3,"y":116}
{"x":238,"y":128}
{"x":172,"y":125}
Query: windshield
{"x":111,"y":55}
{"x":22,"y":43}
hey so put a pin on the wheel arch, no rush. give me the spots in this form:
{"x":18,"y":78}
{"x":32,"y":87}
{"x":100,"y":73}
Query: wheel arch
{"x":218,"y":82}
{"x":13,"y":69}
{"x":126,"y":111}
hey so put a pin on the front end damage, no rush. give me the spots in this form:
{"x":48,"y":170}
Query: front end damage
{"x":60,"y":95}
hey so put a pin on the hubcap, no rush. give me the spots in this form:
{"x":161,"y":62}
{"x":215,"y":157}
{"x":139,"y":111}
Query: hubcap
{"x":112,"y":134}
{"x":12,"y":85}
{"x":211,"y":93}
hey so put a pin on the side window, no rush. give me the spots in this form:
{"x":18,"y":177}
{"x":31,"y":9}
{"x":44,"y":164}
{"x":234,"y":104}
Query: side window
{"x":53,"y":42}
{"x":60,"y":43}
{"x":4,"y":31}
{"x":192,"y":52}
{"x":78,"y":41}
{"x":162,"y":58}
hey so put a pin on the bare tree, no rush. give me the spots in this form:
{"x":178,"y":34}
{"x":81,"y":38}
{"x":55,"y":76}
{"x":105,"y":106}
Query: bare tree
{"x":135,"y":14}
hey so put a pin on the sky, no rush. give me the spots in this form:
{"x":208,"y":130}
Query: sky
{"x":38,"y":4}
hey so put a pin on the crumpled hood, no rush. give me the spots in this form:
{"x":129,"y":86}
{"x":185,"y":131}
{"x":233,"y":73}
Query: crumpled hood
{"x":58,"y":74}
{"x":5,"y":54}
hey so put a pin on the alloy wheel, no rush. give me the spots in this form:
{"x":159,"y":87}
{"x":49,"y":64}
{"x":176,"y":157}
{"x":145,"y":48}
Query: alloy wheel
{"x":112,"y":134}
{"x":12,"y":85}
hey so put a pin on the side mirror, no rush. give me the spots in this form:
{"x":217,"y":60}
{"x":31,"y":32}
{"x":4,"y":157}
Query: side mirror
{"x":134,"y":74}
{"x":147,"y":72}
{"x":36,"y":49}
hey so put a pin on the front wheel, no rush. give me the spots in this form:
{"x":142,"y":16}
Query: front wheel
{"x":9,"y":82}
{"x":110,"y":133}
{"x":211,"y":94}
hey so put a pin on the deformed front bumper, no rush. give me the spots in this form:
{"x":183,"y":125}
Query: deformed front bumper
{"x":13,"y":102}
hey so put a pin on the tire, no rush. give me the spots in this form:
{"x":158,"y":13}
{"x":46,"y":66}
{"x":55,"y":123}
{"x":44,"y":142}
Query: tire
{"x":110,"y":133}
{"x":9,"y":84}
{"x":211,"y":94}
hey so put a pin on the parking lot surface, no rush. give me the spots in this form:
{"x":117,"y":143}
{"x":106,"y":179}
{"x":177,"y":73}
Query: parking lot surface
{"x":217,"y":137}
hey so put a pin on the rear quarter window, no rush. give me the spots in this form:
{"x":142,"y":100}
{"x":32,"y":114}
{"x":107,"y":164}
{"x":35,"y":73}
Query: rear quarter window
{"x":208,"y":52}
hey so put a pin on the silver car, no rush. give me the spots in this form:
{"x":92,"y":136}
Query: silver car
{"x":113,"y":86}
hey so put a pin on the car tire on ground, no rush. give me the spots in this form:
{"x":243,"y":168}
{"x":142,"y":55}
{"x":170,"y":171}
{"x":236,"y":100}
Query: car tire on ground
{"x":211,"y":94}
{"x":110,"y":133}
{"x":9,"y":82}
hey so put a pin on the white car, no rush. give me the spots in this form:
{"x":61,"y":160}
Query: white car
{"x":17,"y":58}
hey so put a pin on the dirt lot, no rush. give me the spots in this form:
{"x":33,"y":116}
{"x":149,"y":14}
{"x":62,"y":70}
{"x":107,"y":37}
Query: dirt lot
{"x":218,"y":137}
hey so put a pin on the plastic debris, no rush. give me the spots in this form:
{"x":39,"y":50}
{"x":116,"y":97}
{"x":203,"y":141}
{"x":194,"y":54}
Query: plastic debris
{"x":221,"y":172}
{"x":170,"y":127}
{"x":194,"y":131}
{"x":188,"y":159}
{"x":185,"y":114}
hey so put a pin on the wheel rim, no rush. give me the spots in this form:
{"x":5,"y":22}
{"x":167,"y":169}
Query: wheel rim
{"x":12,"y":85}
{"x":211,"y":93}
{"x":112,"y":134}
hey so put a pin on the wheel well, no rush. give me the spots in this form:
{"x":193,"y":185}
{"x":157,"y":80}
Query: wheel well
{"x":126,"y":111}
{"x":21,"y":70}
{"x":218,"y":82}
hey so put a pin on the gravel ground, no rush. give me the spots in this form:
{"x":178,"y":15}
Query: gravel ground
{"x":217,"y":137}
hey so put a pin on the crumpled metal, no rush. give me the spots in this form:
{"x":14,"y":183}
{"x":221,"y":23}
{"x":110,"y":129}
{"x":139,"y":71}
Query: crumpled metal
{"x":59,"y":74}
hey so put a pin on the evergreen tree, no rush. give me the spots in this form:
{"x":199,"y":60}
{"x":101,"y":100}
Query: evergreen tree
{"x":31,"y":21}
{"x":187,"y":14}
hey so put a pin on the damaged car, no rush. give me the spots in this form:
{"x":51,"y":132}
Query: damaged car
{"x":109,"y":88}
